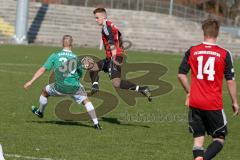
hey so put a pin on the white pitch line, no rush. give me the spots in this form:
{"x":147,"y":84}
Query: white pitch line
{"x":14,"y":72}
{"x":17,"y":72}
{"x":26,"y":157}
{"x":18,"y":64}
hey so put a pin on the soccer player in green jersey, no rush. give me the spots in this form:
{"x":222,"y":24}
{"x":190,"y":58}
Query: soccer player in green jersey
{"x":67,"y":72}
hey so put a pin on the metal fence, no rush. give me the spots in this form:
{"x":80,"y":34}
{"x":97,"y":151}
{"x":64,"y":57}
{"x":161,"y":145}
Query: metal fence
{"x":159,"y":6}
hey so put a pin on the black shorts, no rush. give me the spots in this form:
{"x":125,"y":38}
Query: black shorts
{"x":109,"y":67}
{"x":212,"y":122}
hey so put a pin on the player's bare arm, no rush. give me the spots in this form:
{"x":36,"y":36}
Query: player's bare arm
{"x":231,"y":83}
{"x":183,"y":79}
{"x":184,"y":82}
{"x":182,"y":75}
{"x":232,"y":89}
{"x":39,"y":72}
{"x":114,"y":55}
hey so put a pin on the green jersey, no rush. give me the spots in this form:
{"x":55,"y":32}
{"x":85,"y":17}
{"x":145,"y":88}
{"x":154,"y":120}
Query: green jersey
{"x":67,"y":71}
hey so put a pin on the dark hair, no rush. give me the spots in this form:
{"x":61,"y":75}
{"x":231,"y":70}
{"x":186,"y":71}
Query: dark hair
{"x":210,"y":28}
{"x":99,"y":10}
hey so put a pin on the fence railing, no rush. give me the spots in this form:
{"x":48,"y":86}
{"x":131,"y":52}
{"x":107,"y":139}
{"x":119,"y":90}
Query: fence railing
{"x":159,"y":6}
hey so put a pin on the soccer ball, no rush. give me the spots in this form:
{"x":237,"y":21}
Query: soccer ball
{"x":87,"y":63}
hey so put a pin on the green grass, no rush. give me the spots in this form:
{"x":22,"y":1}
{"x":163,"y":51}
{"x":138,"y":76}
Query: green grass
{"x":148,"y":131}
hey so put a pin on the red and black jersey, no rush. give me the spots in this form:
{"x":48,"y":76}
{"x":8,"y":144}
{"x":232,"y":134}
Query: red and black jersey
{"x":209,"y":63}
{"x":111,"y":37}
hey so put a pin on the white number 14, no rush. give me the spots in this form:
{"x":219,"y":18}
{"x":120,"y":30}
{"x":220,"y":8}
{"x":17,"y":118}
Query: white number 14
{"x":207,"y":69}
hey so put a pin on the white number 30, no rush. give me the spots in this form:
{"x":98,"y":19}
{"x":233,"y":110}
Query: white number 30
{"x":207,"y":69}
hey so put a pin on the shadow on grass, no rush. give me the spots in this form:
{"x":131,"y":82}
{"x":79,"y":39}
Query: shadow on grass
{"x":57,"y":122}
{"x":74,"y":123}
{"x":117,"y":122}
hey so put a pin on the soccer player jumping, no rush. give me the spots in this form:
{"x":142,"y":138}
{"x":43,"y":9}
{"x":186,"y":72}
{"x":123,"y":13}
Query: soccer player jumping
{"x":111,"y":37}
{"x":209,"y":63}
{"x":67,"y":72}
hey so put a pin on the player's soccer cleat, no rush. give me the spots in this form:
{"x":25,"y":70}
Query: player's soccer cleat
{"x":95,"y":88}
{"x":97,"y":126}
{"x":36,"y":111}
{"x":146,"y":92}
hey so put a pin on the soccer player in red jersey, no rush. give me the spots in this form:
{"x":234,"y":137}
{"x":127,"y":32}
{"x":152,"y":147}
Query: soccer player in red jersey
{"x":209,"y":63}
{"x":111,"y":37}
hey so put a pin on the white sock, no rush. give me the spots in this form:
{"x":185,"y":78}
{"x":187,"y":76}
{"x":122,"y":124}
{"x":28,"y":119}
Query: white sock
{"x":95,"y":121}
{"x":137,"y":88}
{"x":91,"y":112}
{"x":95,"y":83}
{"x":42,"y":103}
{"x":1,"y":153}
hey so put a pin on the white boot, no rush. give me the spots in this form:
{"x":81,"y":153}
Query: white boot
{"x":1,"y":153}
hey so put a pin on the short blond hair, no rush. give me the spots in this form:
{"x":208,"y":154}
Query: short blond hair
{"x":67,"y":41}
{"x":210,"y":28}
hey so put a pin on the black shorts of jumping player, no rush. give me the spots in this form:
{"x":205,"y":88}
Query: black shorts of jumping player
{"x":212,"y":122}
{"x":107,"y":65}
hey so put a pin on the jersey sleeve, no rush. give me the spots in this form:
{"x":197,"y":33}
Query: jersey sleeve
{"x":49,"y":63}
{"x":229,"y":70}
{"x":184,"y":66}
{"x":109,"y":34}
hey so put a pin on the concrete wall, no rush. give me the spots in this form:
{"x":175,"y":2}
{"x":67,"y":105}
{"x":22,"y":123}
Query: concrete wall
{"x":146,"y":30}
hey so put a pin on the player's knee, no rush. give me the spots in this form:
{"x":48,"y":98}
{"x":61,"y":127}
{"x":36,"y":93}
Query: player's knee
{"x":116,"y":83}
{"x":44,"y":93}
{"x":220,"y":139}
{"x":219,"y":136}
{"x":84,"y":102}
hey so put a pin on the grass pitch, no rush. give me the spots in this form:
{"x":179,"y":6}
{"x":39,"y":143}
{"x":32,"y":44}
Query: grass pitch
{"x":149,"y":131}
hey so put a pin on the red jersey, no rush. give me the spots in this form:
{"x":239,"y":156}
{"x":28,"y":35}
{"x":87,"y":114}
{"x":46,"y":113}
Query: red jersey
{"x":111,"y":37}
{"x":209,"y":63}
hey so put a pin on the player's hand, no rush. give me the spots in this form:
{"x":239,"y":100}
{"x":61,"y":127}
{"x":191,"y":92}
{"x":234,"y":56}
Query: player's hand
{"x":116,"y":62}
{"x":187,"y":100}
{"x":27,"y":85}
{"x":235,"y":108}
